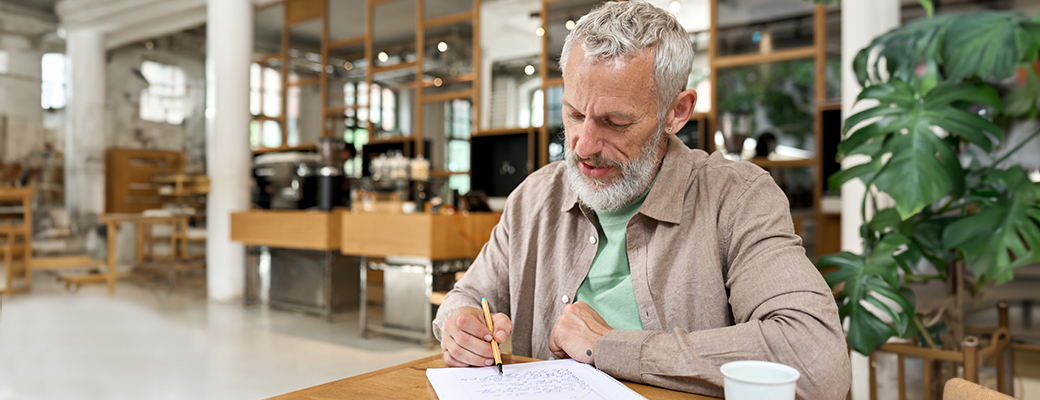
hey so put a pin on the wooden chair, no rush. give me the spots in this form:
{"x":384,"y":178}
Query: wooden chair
{"x":971,"y":357}
{"x":16,"y":236}
{"x":960,"y":389}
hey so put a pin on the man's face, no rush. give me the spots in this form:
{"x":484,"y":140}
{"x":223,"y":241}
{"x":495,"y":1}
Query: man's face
{"x":613,"y":134}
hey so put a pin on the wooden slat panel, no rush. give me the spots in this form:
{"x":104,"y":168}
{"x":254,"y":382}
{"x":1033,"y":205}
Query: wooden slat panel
{"x":438,"y":237}
{"x":309,"y":230}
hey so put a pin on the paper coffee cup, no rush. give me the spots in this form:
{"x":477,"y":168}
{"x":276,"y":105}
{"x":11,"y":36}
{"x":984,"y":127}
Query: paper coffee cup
{"x":756,"y":380}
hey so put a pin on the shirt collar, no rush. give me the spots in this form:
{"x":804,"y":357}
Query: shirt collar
{"x":665,"y":200}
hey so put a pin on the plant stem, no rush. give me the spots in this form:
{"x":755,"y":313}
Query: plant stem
{"x":1019,"y":146}
{"x":924,"y":332}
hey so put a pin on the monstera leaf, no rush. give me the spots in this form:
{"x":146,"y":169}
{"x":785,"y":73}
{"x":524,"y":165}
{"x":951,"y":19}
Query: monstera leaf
{"x":1005,"y":233}
{"x":922,"y":167}
{"x":983,"y":44}
{"x":868,"y":280}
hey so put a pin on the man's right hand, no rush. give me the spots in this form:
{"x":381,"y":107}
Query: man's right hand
{"x":467,"y":339}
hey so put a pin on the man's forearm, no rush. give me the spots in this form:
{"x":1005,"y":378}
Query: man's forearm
{"x":690,"y":361}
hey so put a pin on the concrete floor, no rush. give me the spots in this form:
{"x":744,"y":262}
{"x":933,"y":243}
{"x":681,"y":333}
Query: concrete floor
{"x":150,"y":343}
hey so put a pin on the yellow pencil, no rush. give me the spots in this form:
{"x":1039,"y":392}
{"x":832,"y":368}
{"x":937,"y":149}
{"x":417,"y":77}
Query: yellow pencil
{"x":494,"y":344}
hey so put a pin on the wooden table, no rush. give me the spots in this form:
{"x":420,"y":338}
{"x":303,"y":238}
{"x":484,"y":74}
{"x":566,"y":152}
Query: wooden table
{"x":408,"y":381}
{"x":112,"y":222}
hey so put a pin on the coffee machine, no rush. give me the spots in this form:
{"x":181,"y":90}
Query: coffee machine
{"x":284,"y":180}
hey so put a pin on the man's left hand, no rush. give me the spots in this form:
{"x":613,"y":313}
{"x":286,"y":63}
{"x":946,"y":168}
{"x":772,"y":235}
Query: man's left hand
{"x":576,"y":332}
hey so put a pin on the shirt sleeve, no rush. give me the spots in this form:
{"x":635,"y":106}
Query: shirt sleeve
{"x":782,"y":310}
{"x":486,"y":277}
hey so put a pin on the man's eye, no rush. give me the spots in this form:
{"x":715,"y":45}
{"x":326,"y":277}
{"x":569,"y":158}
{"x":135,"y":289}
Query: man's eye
{"x":617,"y":125}
{"x":577,"y":117}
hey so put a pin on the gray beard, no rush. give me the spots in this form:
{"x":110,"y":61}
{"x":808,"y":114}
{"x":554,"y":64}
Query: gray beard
{"x":634,"y":179}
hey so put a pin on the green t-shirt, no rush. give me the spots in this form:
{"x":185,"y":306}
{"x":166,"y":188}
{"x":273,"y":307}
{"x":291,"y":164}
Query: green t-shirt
{"x":608,"y":286}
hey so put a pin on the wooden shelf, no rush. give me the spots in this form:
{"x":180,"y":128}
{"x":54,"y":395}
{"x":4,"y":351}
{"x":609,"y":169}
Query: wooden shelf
{"x":465,"y":16}
{"x":438,"y":173}
{"x":347,"y":42}
{"x":761,"y":58}
{"x":339,"y":110}
{"x":392,"y":139}
{"x":794,"y":163}
{"x":302,"y":147}
{"x":504,"y":131}
{"x":395,"y":67}
{"x":447,"y":96}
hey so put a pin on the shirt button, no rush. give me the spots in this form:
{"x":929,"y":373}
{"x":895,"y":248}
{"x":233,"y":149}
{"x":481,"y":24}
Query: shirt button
{"x":592,"y":239}
{"x":565,"y":299}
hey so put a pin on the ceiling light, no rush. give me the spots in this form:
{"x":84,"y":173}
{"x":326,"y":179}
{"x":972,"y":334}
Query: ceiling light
{"x":529,"y":69}
{"x":437,"y":82}
{"x":383,"y":57}
{"x":540,"y":31}
{"x":442,"y":47}
{"x":570,"y":24}
{"x":674,"y":7}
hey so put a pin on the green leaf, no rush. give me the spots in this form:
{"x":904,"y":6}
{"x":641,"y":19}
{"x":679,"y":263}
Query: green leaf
{"x":923,"y":168}
{"x":885,"y":219}
{"x":861,"y":171}
{"x":972,"y":92}
{"x":1021,"y":102}
{"x":1003,"y":235}
{"x":879,"y":111}
{"x":864,"y":284}
{"x":986,"y":44}
{"x":858,"y":138}
{"x":915,"y":176}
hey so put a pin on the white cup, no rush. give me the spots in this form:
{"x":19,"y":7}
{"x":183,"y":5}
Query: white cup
{"x":755,"y":380}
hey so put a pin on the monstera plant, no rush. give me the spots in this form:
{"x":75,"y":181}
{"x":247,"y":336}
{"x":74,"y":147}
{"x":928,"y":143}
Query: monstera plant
{"x":947,"y":87}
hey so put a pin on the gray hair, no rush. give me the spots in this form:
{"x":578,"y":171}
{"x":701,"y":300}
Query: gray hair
{"x":622,"y":30}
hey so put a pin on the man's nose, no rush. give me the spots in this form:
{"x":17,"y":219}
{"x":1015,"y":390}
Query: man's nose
{"x":588,"y":139}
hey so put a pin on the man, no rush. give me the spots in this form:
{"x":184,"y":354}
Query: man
{"x":651,"y":261}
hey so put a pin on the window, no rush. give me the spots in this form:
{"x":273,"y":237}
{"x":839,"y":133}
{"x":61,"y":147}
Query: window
{"x":163,"y":99}
{"x":265,"y":91}
{"x":458,"y":122}
{"x":52,"y":72}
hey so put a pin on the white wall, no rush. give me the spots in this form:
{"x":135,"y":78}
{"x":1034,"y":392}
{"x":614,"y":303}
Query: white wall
{"x":127,"y":129}
{"x":22,"y":45}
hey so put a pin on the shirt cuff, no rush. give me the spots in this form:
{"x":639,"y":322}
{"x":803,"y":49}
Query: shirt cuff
{"x":618,"y":353}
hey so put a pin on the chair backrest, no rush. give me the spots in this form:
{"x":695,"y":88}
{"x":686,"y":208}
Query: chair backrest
{"x":960,"y":389}
{"x":970,"y":357}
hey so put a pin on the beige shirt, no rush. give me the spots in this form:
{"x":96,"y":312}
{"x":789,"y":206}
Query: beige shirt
{"x":718,"y":275}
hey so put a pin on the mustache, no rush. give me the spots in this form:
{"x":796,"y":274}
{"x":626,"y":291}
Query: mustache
{"x":597,"y":161}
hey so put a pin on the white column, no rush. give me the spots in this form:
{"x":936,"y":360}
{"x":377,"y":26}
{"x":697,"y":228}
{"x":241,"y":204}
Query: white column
{"x":861,"y":22}
{"x":229,"y":43}
{"x":85,"y":126}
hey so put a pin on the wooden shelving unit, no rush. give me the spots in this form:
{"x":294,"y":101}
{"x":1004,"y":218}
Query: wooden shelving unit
{"x":827,"y":236}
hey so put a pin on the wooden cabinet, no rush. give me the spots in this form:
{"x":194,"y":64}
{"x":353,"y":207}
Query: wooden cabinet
{"x":129,"y":174}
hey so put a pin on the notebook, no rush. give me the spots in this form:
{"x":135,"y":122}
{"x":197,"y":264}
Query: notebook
{"x":543,"y":380}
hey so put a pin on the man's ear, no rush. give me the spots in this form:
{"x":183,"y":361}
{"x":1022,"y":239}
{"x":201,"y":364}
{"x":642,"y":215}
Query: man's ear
{"x":681,"y":110}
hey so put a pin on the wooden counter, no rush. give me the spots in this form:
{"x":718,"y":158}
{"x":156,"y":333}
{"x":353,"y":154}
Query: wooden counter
{"x":408,"y":381}
{"x":290,"y":229}
{"x":432,"y":236}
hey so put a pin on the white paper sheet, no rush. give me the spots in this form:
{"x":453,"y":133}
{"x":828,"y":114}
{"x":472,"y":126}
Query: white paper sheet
{"x":543,"y":380}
